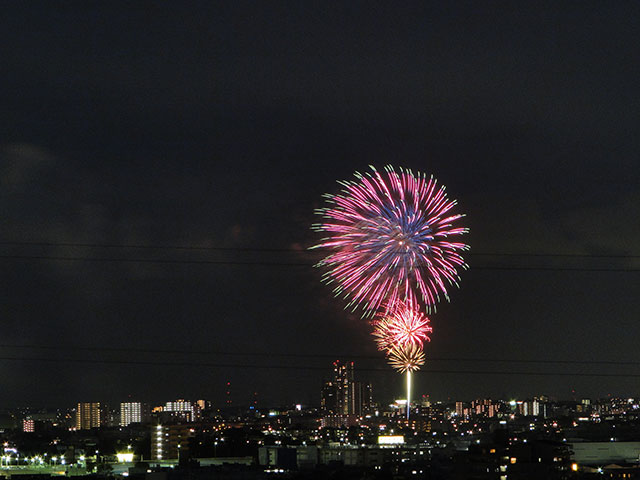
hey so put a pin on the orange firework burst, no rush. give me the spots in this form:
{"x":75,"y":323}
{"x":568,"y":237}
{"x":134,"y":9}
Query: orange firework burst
{"x":407,"y":358}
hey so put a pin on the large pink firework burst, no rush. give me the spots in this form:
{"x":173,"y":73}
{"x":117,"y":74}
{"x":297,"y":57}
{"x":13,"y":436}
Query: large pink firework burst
{"x":390,"y":235}
{"x":403,"y":325}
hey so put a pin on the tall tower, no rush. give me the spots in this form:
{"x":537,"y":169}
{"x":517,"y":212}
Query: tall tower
{"x":228,"y":394}
{"x":342,"y":379}
{"x":342,"y":395}
{"x":329,"y":397}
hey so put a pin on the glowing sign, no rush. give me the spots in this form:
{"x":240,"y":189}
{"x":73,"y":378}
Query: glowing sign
{"x":124,"y":457}
{"x":390,"y":439}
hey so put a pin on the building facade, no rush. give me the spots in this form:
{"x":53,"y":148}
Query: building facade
{"x":170,"y":441}
{"x":133,"y":412}
{"x":342,"y":395}
{"x":88,"y":415}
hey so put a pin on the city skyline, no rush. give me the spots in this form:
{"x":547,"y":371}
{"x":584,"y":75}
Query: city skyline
{"x":335,"y":412}
{"x":160,"y":167}
{"x":492,"y":438}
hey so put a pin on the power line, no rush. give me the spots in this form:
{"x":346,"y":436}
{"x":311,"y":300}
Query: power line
{"x":287,"y":264}
{"x":290,"y":250}
{"x":152,"y":260}
{"x":149,"y":247}
{"x":307,"y":367}
{"x":311,"y":355}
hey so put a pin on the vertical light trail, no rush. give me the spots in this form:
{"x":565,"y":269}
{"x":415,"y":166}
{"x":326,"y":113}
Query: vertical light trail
{"x":408,"y":393}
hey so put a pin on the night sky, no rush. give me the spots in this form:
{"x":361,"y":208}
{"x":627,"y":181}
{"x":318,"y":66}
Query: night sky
{"x":131,"y":128}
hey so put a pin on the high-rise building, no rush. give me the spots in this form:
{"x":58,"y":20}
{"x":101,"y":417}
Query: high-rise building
{"x":88,"y":415}
{"x":531,"y":408}
{"x":343,"y":374}
{"x":181,"y":410}
{"x":341,"y":395}
{"x":133,"y":412}
{"x":329,"y":397}
{"x":28,"y":425}
{"x":360,"y":398}
{"x":367,"y":398}
{"x":170,"y":441}
{"x":109,"y":416}
{"x":483,"y":407}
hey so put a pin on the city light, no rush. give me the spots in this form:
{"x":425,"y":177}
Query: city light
{"x":124,"y":457}
{"x":390,"y":439}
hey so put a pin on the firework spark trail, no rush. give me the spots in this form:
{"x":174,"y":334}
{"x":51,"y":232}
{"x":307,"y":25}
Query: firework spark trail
{"x":389,"y":235}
